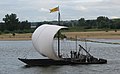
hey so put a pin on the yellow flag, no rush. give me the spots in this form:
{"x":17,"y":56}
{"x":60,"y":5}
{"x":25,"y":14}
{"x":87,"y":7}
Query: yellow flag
{"x":54,"y":9}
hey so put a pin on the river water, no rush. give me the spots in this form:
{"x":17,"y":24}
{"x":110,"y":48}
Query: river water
{"x":11,"y":50}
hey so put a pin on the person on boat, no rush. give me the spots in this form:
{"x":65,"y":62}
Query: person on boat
{"x":78,"y":55}
{"x":75,"y":54}
{"x":71,"y":53}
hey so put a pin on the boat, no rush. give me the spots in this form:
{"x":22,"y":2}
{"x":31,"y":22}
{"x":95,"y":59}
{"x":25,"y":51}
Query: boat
{"x":42,"y":40}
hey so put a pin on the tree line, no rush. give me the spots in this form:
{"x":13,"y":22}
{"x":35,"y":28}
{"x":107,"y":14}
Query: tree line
{"x":101,"y":23}
{"x":12,"y":24}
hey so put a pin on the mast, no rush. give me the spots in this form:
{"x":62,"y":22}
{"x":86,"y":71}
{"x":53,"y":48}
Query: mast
{"x":59,"y":33}
{"x":54,"y":10}
{"x":76,"y":42}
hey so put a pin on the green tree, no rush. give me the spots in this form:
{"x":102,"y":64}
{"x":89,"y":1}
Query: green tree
{"x":11,"y":22}
{"x":116,"y":23}
{"x":81,"y":22}
{"x":103,"y":22}
{"x":24,"y":25}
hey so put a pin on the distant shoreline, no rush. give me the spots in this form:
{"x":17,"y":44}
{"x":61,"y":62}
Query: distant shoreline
{"x":94,"y":35}
{"x":10,"y":37}
{"x":87,"y":35}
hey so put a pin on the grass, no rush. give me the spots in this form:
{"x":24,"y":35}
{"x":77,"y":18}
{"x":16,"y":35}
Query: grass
{"x":90,"y":34}
{"x":94,"y":34}
{"x":25,"y":36}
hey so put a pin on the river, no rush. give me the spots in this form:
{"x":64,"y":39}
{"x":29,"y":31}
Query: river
{"x":11,"y":50}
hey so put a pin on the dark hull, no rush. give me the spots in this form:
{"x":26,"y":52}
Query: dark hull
{"x":67,"y":61}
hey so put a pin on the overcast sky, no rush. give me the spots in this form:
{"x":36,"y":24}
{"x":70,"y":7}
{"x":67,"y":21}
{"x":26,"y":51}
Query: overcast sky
{"x":38,"y":10}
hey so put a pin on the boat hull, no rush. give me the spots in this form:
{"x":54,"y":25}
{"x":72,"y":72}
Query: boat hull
{"x":43,"y":62}
{"x":48,"y":62}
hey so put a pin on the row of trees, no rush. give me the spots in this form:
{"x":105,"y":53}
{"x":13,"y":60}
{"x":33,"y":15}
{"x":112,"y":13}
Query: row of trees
{"x":12,"y":23}
{"x":100,"y":23}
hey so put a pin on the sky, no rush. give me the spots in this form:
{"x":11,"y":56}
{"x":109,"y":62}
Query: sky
{"x":38,"y":10}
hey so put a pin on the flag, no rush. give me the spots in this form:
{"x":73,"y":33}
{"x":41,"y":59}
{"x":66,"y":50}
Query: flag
{"x":54,"y":9}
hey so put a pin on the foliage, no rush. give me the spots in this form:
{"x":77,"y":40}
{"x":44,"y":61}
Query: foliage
{"x":81,"y":22}
{"x":101,"y":23}
{"x":62,"y":36}
{"x":7,"y":31}
{"x":24,"y":31}
{"x":12,"y":24}
{"x":24,"y":25}
{"x":0,"y":32}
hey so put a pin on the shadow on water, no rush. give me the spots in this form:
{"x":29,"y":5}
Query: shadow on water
{"x":27,"y":66}
{"x":45,"y":69}
{"x":113,"y":66}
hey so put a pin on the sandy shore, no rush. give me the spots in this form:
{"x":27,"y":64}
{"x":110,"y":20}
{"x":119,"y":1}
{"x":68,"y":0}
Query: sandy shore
{"x":26,"y":36}
{"x":95,"y":34}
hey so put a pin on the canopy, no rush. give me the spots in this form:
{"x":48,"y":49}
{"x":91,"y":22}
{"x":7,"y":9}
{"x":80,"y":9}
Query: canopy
{"x":42,"y":40}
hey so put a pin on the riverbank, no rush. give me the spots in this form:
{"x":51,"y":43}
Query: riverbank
{"x":10,"y":37}
{"x":94,"y":34}
{"x":87,"y":35}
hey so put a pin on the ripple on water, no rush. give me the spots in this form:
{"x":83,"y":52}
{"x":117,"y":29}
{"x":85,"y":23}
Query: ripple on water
{"x":11,"y":50}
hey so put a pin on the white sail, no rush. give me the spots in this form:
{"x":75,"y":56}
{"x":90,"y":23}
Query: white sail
{"x":42,"y":40}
